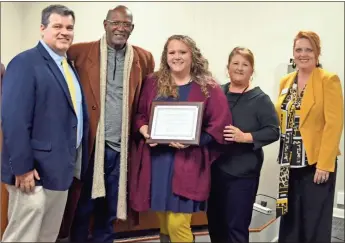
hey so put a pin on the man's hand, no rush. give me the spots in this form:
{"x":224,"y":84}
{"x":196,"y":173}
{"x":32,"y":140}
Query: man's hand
{"x":144,"y":131}
{"x":26,"y":182}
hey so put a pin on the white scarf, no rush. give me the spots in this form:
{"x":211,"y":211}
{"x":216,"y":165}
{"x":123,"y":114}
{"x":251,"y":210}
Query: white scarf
{"x":98,"y":184}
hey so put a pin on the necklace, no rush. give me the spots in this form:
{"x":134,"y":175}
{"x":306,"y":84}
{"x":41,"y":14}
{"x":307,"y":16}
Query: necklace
{"x":239,"y":97}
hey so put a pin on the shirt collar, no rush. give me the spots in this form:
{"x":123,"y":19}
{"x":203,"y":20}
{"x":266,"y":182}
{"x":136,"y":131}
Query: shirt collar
{"x":56,"y":57}
{"x":120,"y":52}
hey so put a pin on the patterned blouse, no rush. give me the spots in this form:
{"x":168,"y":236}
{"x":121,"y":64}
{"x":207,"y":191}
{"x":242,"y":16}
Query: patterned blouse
{"x":291,"y":148}
{"x":292,"y":153}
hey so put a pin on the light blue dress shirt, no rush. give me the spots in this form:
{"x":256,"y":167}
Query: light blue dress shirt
{"x":79,"y":110}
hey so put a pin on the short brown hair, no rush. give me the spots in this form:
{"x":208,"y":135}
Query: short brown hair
{"x":244,"y":52}
{"x":314,"y":41}
{"x":57,"y":9}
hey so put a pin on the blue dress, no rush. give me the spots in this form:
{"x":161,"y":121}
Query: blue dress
{"x":162,"y":160}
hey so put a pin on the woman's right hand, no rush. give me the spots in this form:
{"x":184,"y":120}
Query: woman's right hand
{"x":144,"y":131}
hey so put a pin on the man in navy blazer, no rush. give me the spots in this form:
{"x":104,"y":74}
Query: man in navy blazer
{"x":45,"y":127}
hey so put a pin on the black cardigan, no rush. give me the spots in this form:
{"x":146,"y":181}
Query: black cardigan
{"x":254,"y":113}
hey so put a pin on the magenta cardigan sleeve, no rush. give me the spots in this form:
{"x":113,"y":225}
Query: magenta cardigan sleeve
{"x":144,"y":107}
{"x":217,"y":114}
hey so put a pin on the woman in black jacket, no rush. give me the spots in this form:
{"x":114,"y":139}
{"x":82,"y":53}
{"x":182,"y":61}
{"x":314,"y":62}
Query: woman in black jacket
{"x":235,"y":175}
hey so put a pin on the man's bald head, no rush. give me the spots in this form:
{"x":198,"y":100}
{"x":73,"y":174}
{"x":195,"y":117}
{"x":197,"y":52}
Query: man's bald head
{"x":121,"y":9}
{"x":118,"y":26}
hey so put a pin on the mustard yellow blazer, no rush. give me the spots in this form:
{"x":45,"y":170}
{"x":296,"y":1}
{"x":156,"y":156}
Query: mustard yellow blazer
{"x":322,"y":112}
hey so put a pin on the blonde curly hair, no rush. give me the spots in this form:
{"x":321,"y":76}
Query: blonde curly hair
{"x":199,"y":69}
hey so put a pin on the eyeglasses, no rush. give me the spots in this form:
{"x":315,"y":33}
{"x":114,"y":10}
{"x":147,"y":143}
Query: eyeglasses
{"x":126,"y":25}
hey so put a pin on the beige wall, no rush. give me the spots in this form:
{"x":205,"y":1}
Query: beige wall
{"x":266,"y":28}
{"x":11,"y":30}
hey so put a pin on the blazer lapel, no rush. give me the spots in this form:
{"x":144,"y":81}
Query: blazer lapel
{"x":93,"y":71}
{"x":308,"y":98}
{"x":284,"y":93}
{"x":84,"y":107}
{"x":57,"y":73}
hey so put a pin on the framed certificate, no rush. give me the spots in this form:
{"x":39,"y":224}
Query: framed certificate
{"x":175,"y":122}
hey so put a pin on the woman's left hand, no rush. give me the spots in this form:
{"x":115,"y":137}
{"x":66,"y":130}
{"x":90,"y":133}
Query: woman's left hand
{"x":178,"y":145}
{"x":321,"y":176}
{"x":234,"y":134}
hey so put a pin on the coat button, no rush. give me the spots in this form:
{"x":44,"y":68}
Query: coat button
{"x":94,"y":107}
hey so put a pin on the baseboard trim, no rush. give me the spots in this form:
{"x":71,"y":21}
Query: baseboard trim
{"x":275,"y":239}
{"x":338,"y":213}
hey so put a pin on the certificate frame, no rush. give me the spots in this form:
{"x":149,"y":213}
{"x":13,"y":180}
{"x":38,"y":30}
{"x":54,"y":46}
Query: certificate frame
{"x":177,"y":106}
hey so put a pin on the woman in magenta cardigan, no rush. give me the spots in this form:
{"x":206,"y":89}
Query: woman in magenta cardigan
{"x":174,"y":180}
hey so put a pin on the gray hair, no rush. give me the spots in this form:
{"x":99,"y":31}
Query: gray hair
{"x":57,"y":9}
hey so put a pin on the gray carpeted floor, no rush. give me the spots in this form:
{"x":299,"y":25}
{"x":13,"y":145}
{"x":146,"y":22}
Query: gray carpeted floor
{"x":337,"y":234}
{"x":338,"y":230}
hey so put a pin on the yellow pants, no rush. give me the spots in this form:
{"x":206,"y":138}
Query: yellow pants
{"x":176,"y":226}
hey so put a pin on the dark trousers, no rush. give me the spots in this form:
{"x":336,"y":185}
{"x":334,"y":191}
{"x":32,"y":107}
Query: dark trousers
{"x":103,"y":209}
{"x":310,"y":208}
{"x":230,"y":207}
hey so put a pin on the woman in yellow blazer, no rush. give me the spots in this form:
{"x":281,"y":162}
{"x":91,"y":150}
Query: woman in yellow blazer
{"x":310,"y":110}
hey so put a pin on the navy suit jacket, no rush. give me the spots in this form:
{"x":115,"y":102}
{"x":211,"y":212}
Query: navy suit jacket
{"x":39,"y":123}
